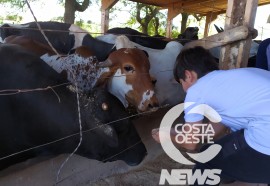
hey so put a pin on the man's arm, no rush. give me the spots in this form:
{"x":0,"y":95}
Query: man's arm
{"x":220,"y":130}
{"x":192,"y":143}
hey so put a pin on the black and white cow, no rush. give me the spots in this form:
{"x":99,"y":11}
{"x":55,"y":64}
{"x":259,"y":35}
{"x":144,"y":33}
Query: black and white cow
{"x":140,"y":38}
{"x":252,"y":53}
{"x":33,"y":118}
{"x":63,"y":37}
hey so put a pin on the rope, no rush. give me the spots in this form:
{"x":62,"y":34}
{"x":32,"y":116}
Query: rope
{"x":80,"y":142}
{"x":40,"y":29}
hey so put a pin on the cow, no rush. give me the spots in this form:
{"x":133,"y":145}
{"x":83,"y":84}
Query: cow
{"x":190,"y":33}
{"x":30,"y":44}
{"x":63,"y":36}
{"x":252,"y":54}
{"x":155,"y":42}
{"x":138,"y":37}
{"x":167,"y":90}
{"x":81,"y":67}
{"x":34,"y":118}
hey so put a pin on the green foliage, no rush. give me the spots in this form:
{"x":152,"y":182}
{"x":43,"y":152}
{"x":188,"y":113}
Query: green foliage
{"x":14,"y":3}
{"x":174,"y":34}
{"x":132,"y":21}
{"x":58,"y":19}
{"x":14,"y":18}
{"x":79,"y":23}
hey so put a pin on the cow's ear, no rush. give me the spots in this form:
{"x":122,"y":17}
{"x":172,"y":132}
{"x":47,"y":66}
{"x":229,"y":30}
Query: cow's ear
{"x":106,"y":74}
{"x":105,"y":64}
{"x":72,"y":51}
{"x":103,"y":79}
{"x":146,"y":53}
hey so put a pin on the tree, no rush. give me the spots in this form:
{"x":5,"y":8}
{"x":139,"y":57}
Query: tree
{"x":71,"y":6}
{"x":150,"y":19}
{"x":15,"y":3}
{"x":150,"y":12}
{"x":184,"y":20}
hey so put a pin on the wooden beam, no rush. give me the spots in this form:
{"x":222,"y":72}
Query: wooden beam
{"x":209,"y":19}
{"x":221,"y":39}
{"x":185,"y":4}
{"x":240,"y":12}
{"x":104,"y":20}
{"x":172,"y":13}
{"x":106,"y":5}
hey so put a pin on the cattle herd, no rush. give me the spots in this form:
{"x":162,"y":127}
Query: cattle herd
{"x":41,"y":87}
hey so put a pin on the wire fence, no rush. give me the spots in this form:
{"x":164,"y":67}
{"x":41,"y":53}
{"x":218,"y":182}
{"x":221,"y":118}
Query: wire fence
{"x":10,"y":92}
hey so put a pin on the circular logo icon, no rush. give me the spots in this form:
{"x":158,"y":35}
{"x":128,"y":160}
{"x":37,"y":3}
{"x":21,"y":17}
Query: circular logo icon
{"x":166,"y":125}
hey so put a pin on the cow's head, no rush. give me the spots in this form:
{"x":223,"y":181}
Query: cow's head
{"x":191,"y":33}
{"x":126,"y":73}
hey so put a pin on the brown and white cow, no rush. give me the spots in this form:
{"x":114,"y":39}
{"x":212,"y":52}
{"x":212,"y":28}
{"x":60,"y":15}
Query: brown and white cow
{"x":125,"y":72}
{"x":128,"y":78}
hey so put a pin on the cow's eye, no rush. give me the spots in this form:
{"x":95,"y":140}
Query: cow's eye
{"x":105,"y":106}
{"x":129,"y":68}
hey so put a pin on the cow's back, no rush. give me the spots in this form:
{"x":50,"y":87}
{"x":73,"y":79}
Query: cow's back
{"x":58,"y":33}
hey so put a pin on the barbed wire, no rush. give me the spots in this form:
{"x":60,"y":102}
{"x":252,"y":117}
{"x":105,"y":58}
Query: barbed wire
{"x":18,"y":91}
{"x":77,"y":95}
{"x":104,"y":34}
{"x":143,"y":139}
{"x":131,"y":35}
{"x":9,"y":92}
{"x":40,"y":29}
{"x":78,"y":133}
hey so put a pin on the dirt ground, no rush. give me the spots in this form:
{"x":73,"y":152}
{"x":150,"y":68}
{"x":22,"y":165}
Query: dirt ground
{"x":79,"y":171}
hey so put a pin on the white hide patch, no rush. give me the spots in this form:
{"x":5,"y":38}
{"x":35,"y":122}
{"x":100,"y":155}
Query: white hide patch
{"x":80,"y":70}
{"x":119,"y":87}
{"x":78,"y":34}
{"x":122,"y":41}
{"x":146,"y":96}
{"x":18,"y":25}
{"x":108,"y":38}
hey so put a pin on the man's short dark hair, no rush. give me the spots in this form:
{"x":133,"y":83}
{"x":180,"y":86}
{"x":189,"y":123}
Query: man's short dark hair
{"x":196,"y":59}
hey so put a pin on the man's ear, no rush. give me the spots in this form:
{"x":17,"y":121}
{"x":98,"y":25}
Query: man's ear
{"x":188,"y":75}
{"x":191,"y":76}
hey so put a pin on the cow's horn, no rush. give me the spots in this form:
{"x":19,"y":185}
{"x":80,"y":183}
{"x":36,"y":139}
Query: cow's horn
{"x":106,"y":63}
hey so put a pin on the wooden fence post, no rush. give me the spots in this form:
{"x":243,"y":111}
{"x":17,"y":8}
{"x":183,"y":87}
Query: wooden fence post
{"x":105,"y":7}
{"x":239,"y":13}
